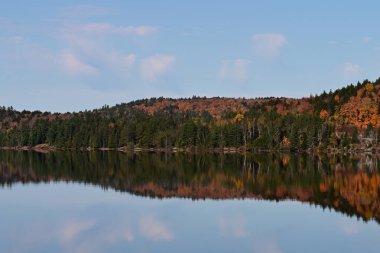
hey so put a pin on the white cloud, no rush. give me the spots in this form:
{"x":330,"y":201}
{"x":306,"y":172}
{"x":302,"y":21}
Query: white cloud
{"x":269,"y":44}
{"x":234,"y":70}
{"x":107,"y":28}
{"x":76,"y":235}
{"x":94,"y":28}
{"x":130,"y":60}
{"x":351,"y":70}
{"x":21,"y":52}
{"x":155,"y":66}
{"x":136,"y":30}
{"x":12,"y":39}
{"x":73,"y":229}
{"x":232,"y":227}
{"x":74,"y":65}
{"x":266,"y":246}
{"x":84,"y":49}
{"x":155,"y":230}
{"x":351,"y":228}
{"x":128,"y":235}
{"x":90,"y":42}
{"x":113,"y":61}
{"x":113,"y":234}
{"x":367,"y":39}
{"x":94,"y":53}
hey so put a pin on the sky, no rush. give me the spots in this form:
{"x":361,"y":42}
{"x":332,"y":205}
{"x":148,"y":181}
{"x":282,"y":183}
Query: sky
{"x":75,"y":55}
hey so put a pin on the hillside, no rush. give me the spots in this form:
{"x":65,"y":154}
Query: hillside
{"x":350,"y":106}
{"x":348,"y":118}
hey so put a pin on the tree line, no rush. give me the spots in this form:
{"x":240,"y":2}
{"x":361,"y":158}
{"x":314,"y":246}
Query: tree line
{"x":260,"y":127}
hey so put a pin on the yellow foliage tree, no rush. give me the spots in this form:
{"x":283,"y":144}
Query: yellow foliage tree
{"x":369,"y":87}
{"x":239,"y":117}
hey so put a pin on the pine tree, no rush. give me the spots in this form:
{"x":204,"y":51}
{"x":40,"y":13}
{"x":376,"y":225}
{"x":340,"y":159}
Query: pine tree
{"x":294,"y":139}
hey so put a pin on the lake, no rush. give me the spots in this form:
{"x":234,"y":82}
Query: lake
{"x":157,"y":202}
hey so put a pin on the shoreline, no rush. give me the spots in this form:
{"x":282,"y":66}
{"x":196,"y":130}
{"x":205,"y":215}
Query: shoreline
{"x":45,"y":148}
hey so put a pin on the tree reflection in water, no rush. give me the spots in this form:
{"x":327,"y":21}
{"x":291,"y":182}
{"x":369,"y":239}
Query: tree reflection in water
{"x":348,"y":184}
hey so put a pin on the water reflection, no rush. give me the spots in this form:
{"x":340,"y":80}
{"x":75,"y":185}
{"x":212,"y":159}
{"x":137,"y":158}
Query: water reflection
{"x":348,"y":184}
{"x":72,"y":212}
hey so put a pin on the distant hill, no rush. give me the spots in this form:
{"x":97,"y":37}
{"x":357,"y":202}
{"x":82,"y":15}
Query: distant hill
{"x":345,"y":119}
{"x":350,"y":106}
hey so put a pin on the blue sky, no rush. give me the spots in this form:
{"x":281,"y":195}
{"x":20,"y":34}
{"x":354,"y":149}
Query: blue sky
{"x":76,"y":55}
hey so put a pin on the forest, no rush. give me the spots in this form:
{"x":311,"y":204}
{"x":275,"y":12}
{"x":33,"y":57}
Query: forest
{"x":344,"y":119}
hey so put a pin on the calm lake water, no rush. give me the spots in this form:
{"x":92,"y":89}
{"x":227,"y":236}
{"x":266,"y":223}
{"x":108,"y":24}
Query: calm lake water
{"x":116,"y":202}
